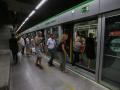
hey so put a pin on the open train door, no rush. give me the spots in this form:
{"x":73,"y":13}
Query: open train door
{"x":68,"y":29}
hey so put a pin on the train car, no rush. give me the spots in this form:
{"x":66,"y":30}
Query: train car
{"x":101,"y":18}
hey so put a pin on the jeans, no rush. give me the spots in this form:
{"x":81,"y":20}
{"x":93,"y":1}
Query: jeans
{"x":76,"y":58}
{"x":15,"y":57}
{"x":52,"y":55}
{"x":62,"y":60}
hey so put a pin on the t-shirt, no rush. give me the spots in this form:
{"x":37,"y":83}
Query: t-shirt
{"x":22,"y":42}
{"x":59,"y":48}
{"x":77,"y":46}
{"x":51,"y":43}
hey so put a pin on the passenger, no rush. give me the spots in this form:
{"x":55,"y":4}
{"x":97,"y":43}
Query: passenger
{"x":76,"y":50}
{"x":21,"y":43}
{"x":14,"y":48}
{"x":51,"y":45}
{"x":28,"y":50}
{"x":62,"y":53}
{"x":77,"y":37}
{"x":38,"y":40}
{"x":82,"y":47}
{"x":90,"y":49}
{"x":33,"y":46}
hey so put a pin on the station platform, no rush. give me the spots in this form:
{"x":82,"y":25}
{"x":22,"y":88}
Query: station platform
{"x":27,"y":76}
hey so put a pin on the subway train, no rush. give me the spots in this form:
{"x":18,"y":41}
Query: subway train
{"x":102,"y":19}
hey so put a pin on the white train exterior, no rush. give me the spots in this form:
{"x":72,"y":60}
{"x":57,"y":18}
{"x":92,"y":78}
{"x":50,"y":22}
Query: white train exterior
{"x":105,"y":18}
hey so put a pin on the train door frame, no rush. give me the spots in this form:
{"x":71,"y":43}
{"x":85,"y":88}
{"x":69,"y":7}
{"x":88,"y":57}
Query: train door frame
{"x":46,"y":33}
{"x":66,"y":27}
{"x":59,"y":32}
{"x":103,"y":25}
{"x":94,"y":76}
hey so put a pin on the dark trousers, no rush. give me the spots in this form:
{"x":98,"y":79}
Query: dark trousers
{"x":15,"y":57}
{"x":23,"y":50}
{"x":52,"y":55}
{"x":76,"y":58}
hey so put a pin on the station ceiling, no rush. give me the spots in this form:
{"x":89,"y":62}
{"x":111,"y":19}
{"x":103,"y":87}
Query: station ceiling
{"x":15,"y":11}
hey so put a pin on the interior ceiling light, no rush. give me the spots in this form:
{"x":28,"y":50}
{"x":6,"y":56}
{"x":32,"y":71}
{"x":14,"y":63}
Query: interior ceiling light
{"x":32,"y":13}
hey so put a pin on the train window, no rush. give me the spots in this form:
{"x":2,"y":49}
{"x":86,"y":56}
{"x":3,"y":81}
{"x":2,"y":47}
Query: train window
{"x":48,"y":32}
{"x":84,"y":45}
{"x":111,"y":57}
{"x":55,"y":32}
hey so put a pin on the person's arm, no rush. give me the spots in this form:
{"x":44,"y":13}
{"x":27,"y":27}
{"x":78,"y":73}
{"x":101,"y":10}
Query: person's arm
{"x":47,"y":43}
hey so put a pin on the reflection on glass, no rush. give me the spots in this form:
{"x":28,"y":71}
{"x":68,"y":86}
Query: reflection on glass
{"x":56,"y":34}
{"x":111,"y":59}
{"x":48,"y":32}
{"x":84,"y":45}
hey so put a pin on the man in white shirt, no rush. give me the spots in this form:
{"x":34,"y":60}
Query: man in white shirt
{"x":51,"y":44}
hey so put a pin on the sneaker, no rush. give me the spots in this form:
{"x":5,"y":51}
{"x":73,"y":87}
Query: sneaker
{"x":64,"y":71}
{"x":37,"y":64}
{"x":40,"y":66}
{"x":51,"y":64}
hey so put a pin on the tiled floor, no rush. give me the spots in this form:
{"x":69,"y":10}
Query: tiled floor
{"x":26,"y":76}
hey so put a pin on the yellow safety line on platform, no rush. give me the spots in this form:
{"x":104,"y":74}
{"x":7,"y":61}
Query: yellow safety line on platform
{"x":72,"y":88}
{"x":67,"y":85}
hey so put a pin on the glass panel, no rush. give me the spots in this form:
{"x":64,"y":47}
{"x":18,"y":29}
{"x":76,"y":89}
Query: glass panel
{"x":111,"y":59}
{"x":84,"y":45}
{"x":55,"y":32}
{"x":48,"y":32}
{"x":68,"y":29}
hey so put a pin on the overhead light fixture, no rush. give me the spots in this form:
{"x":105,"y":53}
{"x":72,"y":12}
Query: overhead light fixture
{"x":18,"y":29}
{"x":26,"y":19}
{"x":32,"y":13}
{"x":23,"y":23}
{"x":40,"y":4}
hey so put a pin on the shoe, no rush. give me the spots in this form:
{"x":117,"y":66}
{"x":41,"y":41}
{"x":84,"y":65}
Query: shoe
{"x":37,"y":64}
{"x":40,"y":66}
{"x":64,"y":71}
{"x":73,"y":64}
{"x":51,"y":64}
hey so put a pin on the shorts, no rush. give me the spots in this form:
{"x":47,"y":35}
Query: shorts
{"x":38,"y":52}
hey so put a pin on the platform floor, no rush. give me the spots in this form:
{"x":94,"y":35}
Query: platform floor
{"x":26,"y":76}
